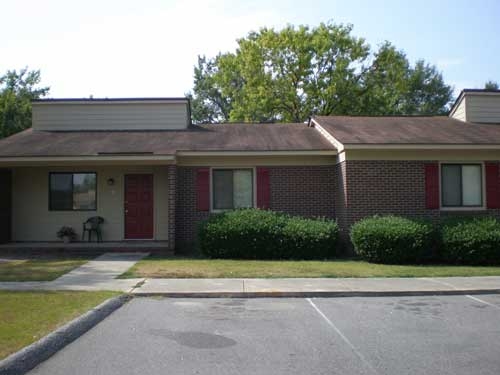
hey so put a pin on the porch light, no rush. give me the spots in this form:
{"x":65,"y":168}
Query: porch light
{"x":111,"y":181}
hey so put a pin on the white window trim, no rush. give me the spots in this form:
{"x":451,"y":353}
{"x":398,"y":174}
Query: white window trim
{"x":483,"y":188}
{"x":254,"y":186}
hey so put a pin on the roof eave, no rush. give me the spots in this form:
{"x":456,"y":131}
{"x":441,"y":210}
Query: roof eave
{"x":145,"y":100}
{"x":258,"y":153}
{"x":420,"y":146}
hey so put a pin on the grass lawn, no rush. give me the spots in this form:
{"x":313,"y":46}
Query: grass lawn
{"x":25,"y":317}
{"x":38,"y":268}
{"x":172,"y":267}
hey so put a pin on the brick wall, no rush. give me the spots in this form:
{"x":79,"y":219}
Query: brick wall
{"x":340,"y":191}
{"x":187,"y":216}
{"x":370,"y":187}
{"x":302,"y":190}
{"x":348,"y":191}
{"x":171,"y":181}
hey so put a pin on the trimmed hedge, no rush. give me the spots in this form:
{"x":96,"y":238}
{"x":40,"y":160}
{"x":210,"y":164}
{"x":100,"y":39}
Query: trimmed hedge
{"x":471,"y":240}
{"x":263,"y":234}
{"x":392,"y":239}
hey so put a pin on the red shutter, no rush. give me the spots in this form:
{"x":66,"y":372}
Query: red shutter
{"x":203,"y":189}
{"x":492,"y":185}
{"x":263,"y":188}
{"x":432,"y":186}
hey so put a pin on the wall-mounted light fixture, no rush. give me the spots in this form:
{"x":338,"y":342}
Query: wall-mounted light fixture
{"x":111,"y":181}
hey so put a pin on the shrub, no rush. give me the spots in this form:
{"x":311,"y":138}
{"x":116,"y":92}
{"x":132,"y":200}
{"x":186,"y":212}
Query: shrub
{"x":262,"y":234}
{"x":471,"y":240}
{"x":392,"y":239}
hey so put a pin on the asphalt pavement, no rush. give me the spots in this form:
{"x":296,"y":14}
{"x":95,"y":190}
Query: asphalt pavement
{"x":374,"y":335}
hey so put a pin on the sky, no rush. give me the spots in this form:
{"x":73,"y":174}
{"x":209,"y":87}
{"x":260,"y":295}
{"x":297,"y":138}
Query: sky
{"x":148,"y":48}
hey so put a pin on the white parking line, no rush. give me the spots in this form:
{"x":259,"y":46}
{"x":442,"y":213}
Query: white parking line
{"x":346,"y":340}
{"x":482,"y":301}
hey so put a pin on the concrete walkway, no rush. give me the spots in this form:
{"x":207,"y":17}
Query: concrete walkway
{"x":97,"y":274}
{"x":102,"y":272}
{"x":318,"y":287}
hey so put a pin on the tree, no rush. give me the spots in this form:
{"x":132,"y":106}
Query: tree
{"x":290,"y":74}
{"x":17,"y":89}
{"x":491,"y":85}
{"x":392,"y":86}
{"x":385,"y":82}
{"x":210,"y":104}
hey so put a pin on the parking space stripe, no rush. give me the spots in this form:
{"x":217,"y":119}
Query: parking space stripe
{"x":482,"y":301}
{"x":344,"y":338}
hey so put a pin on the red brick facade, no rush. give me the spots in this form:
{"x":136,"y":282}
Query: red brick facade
{"x":172,"y":183}
{"x":187,"y":216}
{"x":301,"y":190}
{"x":304,"y":191}
{"x":369,"y":187}
{"x":348,"y":192}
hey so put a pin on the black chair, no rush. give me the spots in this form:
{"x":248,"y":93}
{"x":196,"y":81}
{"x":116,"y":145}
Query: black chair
{"x":93,"y":224}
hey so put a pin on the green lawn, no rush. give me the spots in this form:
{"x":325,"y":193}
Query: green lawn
{"x":172,"y":267}
{"x":38,"y":268}
{"x":25,"y":317}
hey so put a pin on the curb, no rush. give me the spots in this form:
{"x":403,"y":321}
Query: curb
{"x":312,"y":294}
{"x":27,"y":358}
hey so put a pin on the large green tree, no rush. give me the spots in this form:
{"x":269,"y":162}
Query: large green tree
{"x":491,"y":85}
{"x":17,"y":89}
{"x":290,"y":74}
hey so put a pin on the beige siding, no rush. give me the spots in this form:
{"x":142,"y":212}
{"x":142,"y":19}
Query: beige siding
{"x":459,"y":113}
{"x":110,"y":116}
{"x":32,"y":220}
{"x":483,"y":108}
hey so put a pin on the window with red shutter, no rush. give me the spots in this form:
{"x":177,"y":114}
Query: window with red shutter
{"x":492,"y":185}
{"x":203,"y":189}
{"x":432,"y":186}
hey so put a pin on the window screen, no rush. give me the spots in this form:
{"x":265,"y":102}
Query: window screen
{"x":72,"y":191}
{"x":461,"y":185}
{"x":232,"y":188}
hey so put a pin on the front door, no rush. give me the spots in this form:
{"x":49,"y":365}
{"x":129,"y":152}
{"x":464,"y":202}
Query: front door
{"x":5,"y":205}
{"x":139,"y":206}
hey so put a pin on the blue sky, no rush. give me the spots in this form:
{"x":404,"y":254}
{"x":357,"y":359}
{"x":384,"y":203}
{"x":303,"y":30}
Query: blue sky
{"x":109,"y":48}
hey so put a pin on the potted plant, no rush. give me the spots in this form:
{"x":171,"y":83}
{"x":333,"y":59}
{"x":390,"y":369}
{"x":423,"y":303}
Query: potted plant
{"x":67,"y":234}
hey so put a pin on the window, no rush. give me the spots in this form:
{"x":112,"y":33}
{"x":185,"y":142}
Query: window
{"x":232,"y":188}
{"x":72,"y":191}
{"x":461,"y":185}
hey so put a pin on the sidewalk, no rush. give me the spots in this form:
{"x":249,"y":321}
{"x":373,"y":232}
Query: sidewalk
{"x":97,"y":274}
{"x":102,"y":272}
{"x":313,"y":287}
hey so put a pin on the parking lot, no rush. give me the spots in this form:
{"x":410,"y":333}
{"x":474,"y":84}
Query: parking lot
{"x":376,"y":335}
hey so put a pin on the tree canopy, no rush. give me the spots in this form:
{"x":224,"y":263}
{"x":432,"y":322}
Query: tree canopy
{"x":296,"y":72}
{"x":17,"y":89}
{"x":491,"y":85}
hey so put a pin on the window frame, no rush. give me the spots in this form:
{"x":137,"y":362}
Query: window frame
{"x":482,"y":206}
{"x":254,"y":186}
{"x":73,"y":189}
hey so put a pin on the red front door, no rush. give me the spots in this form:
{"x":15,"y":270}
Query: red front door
{"x":139,"y":206}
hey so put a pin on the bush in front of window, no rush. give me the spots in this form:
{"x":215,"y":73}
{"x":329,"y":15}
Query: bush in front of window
{"x":473,"y":240}
{"x":263,"y":234}
{"x":309,"y":238}
{"x":392,"y":239}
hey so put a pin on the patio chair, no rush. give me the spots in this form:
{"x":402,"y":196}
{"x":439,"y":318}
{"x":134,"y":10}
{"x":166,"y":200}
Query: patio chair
{"x":93,"y":224}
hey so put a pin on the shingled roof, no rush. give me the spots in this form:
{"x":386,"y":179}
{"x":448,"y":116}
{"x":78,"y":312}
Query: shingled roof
{"x":221,"y":137}
{"x":394,"y":130}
